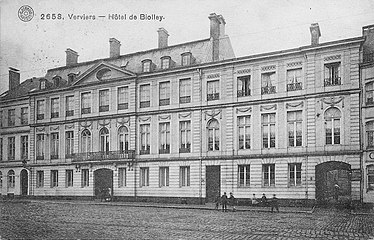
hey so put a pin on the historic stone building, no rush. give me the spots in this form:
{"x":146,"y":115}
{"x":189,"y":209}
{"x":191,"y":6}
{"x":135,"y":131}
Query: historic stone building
{"x":189,"y":122}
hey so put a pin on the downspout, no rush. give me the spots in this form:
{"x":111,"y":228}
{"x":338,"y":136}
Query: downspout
{"x":361,"y":122}
{"x":135,"y":165}
{"x":199,"y":72}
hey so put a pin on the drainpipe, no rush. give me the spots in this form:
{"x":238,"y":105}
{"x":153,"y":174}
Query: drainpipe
{"x":361,"y":128}
{"x":200,"y":73}
{"x":135,"y":165}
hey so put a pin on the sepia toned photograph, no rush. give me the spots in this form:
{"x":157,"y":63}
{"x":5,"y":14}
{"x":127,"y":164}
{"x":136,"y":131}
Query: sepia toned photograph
{"x":147,"y":119}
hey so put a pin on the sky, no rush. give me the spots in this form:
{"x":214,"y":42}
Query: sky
{"x":253,"y":27}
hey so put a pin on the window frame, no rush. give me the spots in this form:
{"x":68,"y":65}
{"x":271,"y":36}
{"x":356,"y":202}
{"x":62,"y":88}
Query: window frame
{"x":269,"y":125}
{"x":185,"y":136}
{"x":69,"y":144}
{"x":147,"y":66}
{"x":123,"y":98}
{"x":40,"y":109}
{"x":24,"y":147}
{"x":269,"y":171}
{"x":85,"y":174}
{"x":185,"y":90}
{"x":243,"y":86}
{"x":244,"y":175}
{"x":145,"y":95}
{"x":69,"y":178}
{"x":294,"y":174}
{"x":184,"y":176}
{"x":163,"y":176}
{"x":55,"y":107}
{"x":86,"y":102}
{"x":213,"y":143}
{"x":245,"y":126}
{"x":295,"y":123}
{"x":213,"y":90}
{"x":333,"y":120}
{"x":122,"y":177}
{"x":104,"y":99}
{"x":145,"y":134}
{"x":11,"y":117}
{"x":164,"y":138}
{"x":144,"y":177}
{"x":164,"y":93}
{"x":40,"y":179}
{"x":11,"y":148}
{"x":54,"y":178}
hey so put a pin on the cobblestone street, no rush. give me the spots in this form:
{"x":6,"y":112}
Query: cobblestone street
{"x":74,"y":220}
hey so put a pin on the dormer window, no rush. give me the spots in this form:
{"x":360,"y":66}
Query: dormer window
{"x":71,"y":77}
{"x":146,"y":65}
{"x":43,"y":83}
{"x":165,"y":62}
{"x":56,"y":81}
{"x":104,"y":74}
{"x":186,"y":59}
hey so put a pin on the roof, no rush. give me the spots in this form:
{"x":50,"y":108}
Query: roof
{"x":21,"y":90}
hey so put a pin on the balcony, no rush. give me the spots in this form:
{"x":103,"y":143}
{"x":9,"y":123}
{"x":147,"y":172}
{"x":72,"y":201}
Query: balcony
{"x":243,"y":93}
{"x":123,"y":106}
{"x":185,"y":99}
{"x":69,"y":113}
{"x":164,"y":150}
{"x":86,"y":110}
{"x":55,"y":156}
{"x":212,"y":96}
{"x":164,"y":102}
{"x":144,"y":151}
{"x":39,"y":116}
{"x":145,"y":104}
{"x":294,"y":86}
{"x":368,"y":57}
{"x":104,"y":108}
{"x":332,"y":81}
{"x":184,"y":150}
{"x":268,"y":90}
{"x":103,"y":156}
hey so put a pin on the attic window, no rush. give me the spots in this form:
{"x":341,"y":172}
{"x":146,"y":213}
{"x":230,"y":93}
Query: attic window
{"x":42,"y":84}
{"x":56,"y":81}
{"x":186,"y":59}
{"x":165,"y":62}
{"x":71,"y":77}
{"x":146,"y":65}
{"x":104,"y":74}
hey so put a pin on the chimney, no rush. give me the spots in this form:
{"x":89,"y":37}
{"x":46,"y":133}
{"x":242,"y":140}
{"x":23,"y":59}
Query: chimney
{"x":368,"y":46}
{"x":71,"y":57}
{"x":222,"y":25}
{"x":214,"y":26}
{"x":14,"y":78}
{"x":115,"y":48}
{"x":162,"y":38}
{"x":315,"y":34}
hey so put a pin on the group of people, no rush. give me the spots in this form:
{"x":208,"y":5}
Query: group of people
{"x":231,"y":201}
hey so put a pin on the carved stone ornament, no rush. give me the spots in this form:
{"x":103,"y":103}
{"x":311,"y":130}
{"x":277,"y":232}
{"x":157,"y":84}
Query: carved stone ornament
{"x":86,"y":124}
{"x":332,"y":101}
{"x":213,"y":113}
{"x":295,"y":105}
{"x":104,"y":122}
{"x":54,"y":128}
{"x":244,"y":110}
{"x":268,"y":107}
{"x":268,"y":68}
{"x":243,"y":71}
{"x":332,"y":58}
{"x":185,"y":115}
{"x":164,"y":117}
{"x":145,"y":119}
{"x":123,"y":121}
{"x":69,"y":126}
{"x":214,"y":75}
{"x":294,"y":64}
{"x":40,"y":129}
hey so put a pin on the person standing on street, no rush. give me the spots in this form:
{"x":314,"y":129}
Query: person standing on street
{"x":274,"y":203}
{"x":232,"y":201}
{"x":224,"y":202}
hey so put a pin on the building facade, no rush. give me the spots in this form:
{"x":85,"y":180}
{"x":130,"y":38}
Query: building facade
{"x":190,"y":121}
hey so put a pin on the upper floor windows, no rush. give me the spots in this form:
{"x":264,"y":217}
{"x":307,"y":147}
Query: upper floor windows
{"x":123,"y":98}
{"x":164,"y":137}
{"x":164,"y":93}
{"x":104,"y":100}
{"x":86,"y":102}
{"x":370,"y":134}
{"x":104,"y":140}
{"x":43,"y":84}
{"x":69,"y":106}
{"x":213,"y":135}
{"x":332,"y":125}
{"x":332,"y":74}
{"x":244,"y":132}
{"x":185,"y":90}
{"x":244,"y":86}
{"x":146,"y":65}
{"x":268,"y":130}
{"x":40,"y":109}
{"x":145,"y":98}
{"x":213,"y":90}
{"x":11,"y":117}
{"x":11,"y":148}
{"x":145,"y":138}
{"x":268,"y":83}
{"x":294,"y":126}
{"x":86,"y":141}
{"x":55,"y":107}
{"x":40,"y":145}
{"x":369,"y":93}
{"x":186,"y":59}
{"x":24,"y":116}
{"x":185,"y":136}
{"x":294,"y":79}
{"x":165,"y":62}
{"x":123,"y":139}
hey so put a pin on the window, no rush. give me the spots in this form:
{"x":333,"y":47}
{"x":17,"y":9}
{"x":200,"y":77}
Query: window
{"x":1,"y":180}
{"x":123,"y":139}
{"x":104,"y":140}
{"x":39,"y":179}
{"x":39,"y":146}
{"x":144,"y":176}
{"x":268,"y":172}
{"x":104,"y":74}
{"x":370,"y":174}
{"x":85,"y":177}
{"x":164,"y":176}
{"x":213,"y":90}
{"x":295,"y":131}
{"x":145,"y":96}
{"x":164,"y":138}
{"x":332,"y":74}
{"x":244,"y":177}
{"x":69,"y":106}
{"x":369,"y":93}
{"x":244,"y":86}
{"x":11,"y":179}
{"x":268,"y":130}
{"x":86,"y":141}
{"x":370,"y":133}
{"x":146,"y":65}
{"x":11,"y":117}
{"x":122,"y":177}
{"x":24,"y":147}
{"x":54,"y":178}
{"x":164,"y":93}
{"x":185,"y":90}
{"x":40,"y":109}
{"x":332,"y":125}
{"x":24,"y":116}
{"x":123,"y":98}
{"x":103,"y":100}
{"x":268,"y":83}
{"x":294,"y":170}
{"x":69,"y":144}
{"x":55,"y":108}
{"x":43,"y":84}
{"x":86,"y":102}
{"x":186,"y":59}
{"x":185,"y":136}
{"x":1,"y":118}
{"x":54,"y":145}
{"x":294,"y":79}
{"x":244,"y":132}
{"x":11,"y":148}
{"x":1,"y":149}
{"x":69,"y":178}
{"x":184,"y":176}
{"x":165,"y":62}
{"x":144,"y":139}
{"x":213,"y":135}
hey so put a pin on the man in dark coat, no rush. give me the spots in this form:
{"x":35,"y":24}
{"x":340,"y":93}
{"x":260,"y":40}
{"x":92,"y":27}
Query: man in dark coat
{"x":232,"y":202}
{"x":274,"y":203}
{"x":224,"y":202}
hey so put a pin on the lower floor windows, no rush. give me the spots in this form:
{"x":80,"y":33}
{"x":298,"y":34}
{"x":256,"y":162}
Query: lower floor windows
{"x":11,"y":179}
{"x":69,"y":178}
{"x":39,"y":179}
{"x":294,"y":174}
{"x":370,"y":174}
{"x":184,"y":176}
{"x":144,"y":176}
{"x":121,"y":177}
{"x":85,"y":177}
{"x":54,"y":178}
{"x":164,"y":176}
{"x":268,"y":174}
{"x":243,"y":175}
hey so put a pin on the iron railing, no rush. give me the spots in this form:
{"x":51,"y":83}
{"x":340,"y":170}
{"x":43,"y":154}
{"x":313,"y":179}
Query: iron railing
{"x":268,"y":90}
{"x":103,"y":156}
{"x":294,"y":86}
{"x":333,"y":81}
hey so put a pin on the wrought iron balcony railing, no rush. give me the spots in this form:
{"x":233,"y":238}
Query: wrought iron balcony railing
{"x":55,"y":115}
{"x":294,"y":86}
{"x":333,"y":81}
{"x":144,"y":104}
{"x":86,"y":110}
{"x":122,"y":106}
{"x":185,"y":99}
{"x":69,"y":113}
{"x":268,"y":90}
{"x":164,"y":102}
{"x":212,"y":96}
{"x":104,"y":108}
{"x":103,"y":156}
{"x":243,"y":93}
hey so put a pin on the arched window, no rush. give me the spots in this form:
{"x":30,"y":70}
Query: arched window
{"x":86,"y":141}
{"x":370,"y":174}
{"x":11,"y":179}
{"x":332,"y":125}
{"x":104,"y":140}
{"x":123,"y":139}
{"x":370,"y":133}
{"x":213,"y":135}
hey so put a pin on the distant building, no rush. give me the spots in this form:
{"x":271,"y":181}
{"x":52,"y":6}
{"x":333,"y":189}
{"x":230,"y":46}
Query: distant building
{"x":189,"y":122}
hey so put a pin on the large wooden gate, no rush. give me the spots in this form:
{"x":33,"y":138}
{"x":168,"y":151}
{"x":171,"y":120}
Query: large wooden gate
{"x":213,"y":182}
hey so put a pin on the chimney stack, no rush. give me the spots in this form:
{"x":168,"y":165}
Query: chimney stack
{"x":214,"y":26}
{"x":71,"y":57}
{"x":115,"y":48}
{"x":315,"y":34}
{"x":14,"y":78}
{"x":162,"y":38}
{"x":217,"y":30}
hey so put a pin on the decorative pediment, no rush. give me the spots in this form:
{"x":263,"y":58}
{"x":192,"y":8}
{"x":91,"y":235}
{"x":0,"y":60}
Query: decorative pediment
{"x":86,"y":124}
{"x":102,"y":72}
{"x":54,"y":128}
{"x":332,"y":101}
{"x":213,"y":113}
{"x":123,"y":121}
{"x":104,"y":122}
{"x":69,"y":126}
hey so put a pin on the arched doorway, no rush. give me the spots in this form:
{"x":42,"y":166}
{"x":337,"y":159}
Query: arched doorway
{"x":333,"y":178}
{"x":103,"y":182}
{"x":24,"y":182}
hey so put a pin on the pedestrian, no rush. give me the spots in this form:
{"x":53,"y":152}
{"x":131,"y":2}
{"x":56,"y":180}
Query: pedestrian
{"x":217,"y":200}
{"x":254,"y":200}
{"x":264,"y":200}
{"x":224,"y":202}
{"x":274,"y":203}
{"x":336,"y":189}
{"x":232,"y":201}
